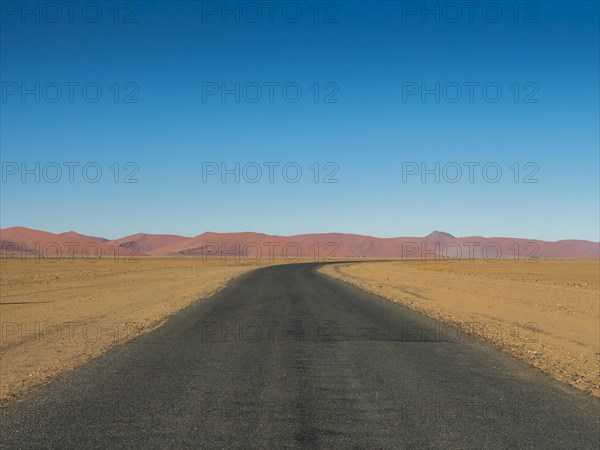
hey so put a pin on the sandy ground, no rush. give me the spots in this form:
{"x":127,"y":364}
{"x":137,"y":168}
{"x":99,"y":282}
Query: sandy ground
{"x":56,"y":315}
{"x":546,"y":312}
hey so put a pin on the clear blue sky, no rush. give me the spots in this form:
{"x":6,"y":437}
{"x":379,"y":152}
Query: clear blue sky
{"x":369,"y":53}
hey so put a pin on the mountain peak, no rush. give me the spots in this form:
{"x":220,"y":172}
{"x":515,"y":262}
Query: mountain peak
{"x":439,"y":235}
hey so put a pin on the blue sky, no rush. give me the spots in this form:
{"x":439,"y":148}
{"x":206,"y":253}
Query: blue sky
{"x":364,"y":57}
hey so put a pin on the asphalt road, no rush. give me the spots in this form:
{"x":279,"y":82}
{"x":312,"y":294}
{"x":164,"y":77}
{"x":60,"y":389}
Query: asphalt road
{"x":285,"y":357}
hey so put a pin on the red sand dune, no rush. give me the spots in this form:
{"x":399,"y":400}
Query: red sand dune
{"x":253,"y":246}
{"x":437,"y":245}
{"x":146,"y":243}
{"x":75,"y":235}
{"x":20,"y":241}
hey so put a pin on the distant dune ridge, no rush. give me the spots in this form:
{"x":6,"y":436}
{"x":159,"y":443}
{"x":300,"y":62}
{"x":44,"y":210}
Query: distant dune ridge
{"x":146,"y":243}
{"x":20,"y":241}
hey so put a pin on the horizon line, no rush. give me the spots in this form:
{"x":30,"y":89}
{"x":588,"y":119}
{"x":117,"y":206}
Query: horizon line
{"x":450,"y":236}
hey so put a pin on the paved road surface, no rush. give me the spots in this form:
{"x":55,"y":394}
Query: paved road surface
{"x":285,"y":357}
